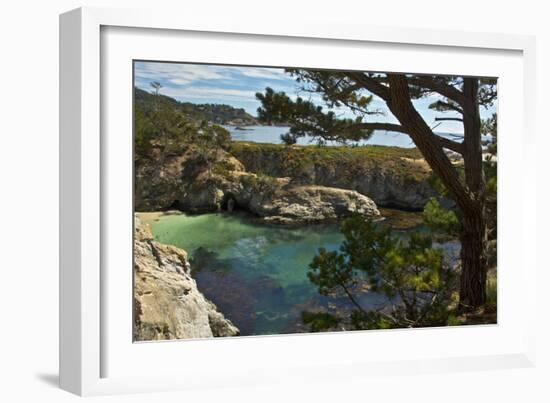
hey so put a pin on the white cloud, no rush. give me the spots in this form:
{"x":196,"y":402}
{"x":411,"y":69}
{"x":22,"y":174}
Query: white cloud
{"x":208,"y":92}
{"x":225,"y":91}
{"x":263,"y":72}
{"x":179,"y":73}
{"x":180,"y":81}
{"x":182,"y":74}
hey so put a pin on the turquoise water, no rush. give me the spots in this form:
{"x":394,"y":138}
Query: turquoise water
{"x":255,"y":273}
{"x":251,"y":249}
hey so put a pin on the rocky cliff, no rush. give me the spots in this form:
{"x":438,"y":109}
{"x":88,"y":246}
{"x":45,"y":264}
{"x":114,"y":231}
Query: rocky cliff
{"x":391,"y":176}
{"x":186,"y":183}
{"x":167,"y":303}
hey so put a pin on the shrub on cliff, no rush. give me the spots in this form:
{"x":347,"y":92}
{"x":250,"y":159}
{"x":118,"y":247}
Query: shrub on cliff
{"x":282,"y":160}
{"x":163,"y":123}
{"x":260,"y":183}
{"x":208,"y":140}
{"x":166,"y":129}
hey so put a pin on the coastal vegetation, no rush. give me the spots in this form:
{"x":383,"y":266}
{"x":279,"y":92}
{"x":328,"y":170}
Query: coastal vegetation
{"x":461,"y":95}
{"x":330,"y":236}
{"x":410,"y":273}
{"x":216,"y":113}
{"x":298,"y":161}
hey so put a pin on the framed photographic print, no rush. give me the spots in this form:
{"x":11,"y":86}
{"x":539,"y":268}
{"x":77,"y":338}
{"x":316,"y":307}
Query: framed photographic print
{"x":239,"y":198}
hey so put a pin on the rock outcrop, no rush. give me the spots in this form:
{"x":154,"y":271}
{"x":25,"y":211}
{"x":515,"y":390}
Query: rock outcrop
{"x":390,"y":180}
{"x":181,"y":181}
{"x":167,"y":303}
{"x":186,"y":184}
{"x":308,"y":204}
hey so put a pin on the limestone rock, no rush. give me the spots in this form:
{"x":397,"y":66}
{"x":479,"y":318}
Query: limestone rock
{"x":307,"y":204}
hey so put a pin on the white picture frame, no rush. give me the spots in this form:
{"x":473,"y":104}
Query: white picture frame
{"x":96,"y":357}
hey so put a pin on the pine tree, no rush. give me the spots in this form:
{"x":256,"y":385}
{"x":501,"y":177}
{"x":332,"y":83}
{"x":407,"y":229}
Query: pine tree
{"x":411,"y":274}
{"x":461,"y":97}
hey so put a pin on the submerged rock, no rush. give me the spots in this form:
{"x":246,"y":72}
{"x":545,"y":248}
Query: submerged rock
{"x":167,"y":302}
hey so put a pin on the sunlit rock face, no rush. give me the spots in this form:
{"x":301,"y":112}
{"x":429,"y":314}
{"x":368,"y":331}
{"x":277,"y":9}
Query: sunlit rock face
{"x":310,"y":204}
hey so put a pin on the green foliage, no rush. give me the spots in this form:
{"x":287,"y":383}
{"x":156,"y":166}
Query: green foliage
{"x":489,"y":125}
{"x":441,"y":106}
{"x":412,"y":275}
{"x":337,"y":88}
{"x":371,"y":320}
{"x":144,"y":132}
{"x":490,"y":172}
{"x":260,"y":183}
{"x":208,"y":140}
{"x":490,"y":162}
{"x":377,"y":152}
{"x":301,"y":160}
{"x":440,"y":219}
{"x":453,"y":320}
{"x":491,"y":304}
{"x":319,"y":321}
{"x":164,"y":127}
{"x":288,"y":139}
{"x":210,"y":137}
{"x":159,"y":123}
{"x":215,"y":113}
{"x":305,"y":118}
{"x":218,"y":113}
{"x":223,"y":168}
{"x":437,"y":184}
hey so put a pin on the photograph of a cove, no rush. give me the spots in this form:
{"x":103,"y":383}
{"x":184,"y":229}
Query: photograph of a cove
{"x":273,"y":201}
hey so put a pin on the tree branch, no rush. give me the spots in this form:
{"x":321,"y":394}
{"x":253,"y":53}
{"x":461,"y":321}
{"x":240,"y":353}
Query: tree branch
{"x":425,"y":140}
{"x":390,"y":127}
{"x":370,"y":84}
{"x":446,"y":106}
{"x":450,"y":144}
{"x":435,"y":85}
{"x":453,"y":119}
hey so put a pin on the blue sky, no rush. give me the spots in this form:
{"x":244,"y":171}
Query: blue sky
{"x":236,"y":86}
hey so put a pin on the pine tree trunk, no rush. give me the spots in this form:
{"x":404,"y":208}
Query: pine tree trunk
{"x":473,"y":260}
{"x":469,"y":196}
{"x":474,"y":226}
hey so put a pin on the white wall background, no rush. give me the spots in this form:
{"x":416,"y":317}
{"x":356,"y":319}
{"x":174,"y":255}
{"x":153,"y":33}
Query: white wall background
{"x":29,"y":197}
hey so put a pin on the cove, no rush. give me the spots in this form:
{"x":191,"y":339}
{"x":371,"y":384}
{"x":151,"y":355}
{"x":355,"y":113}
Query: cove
{"x":256,"y":273}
